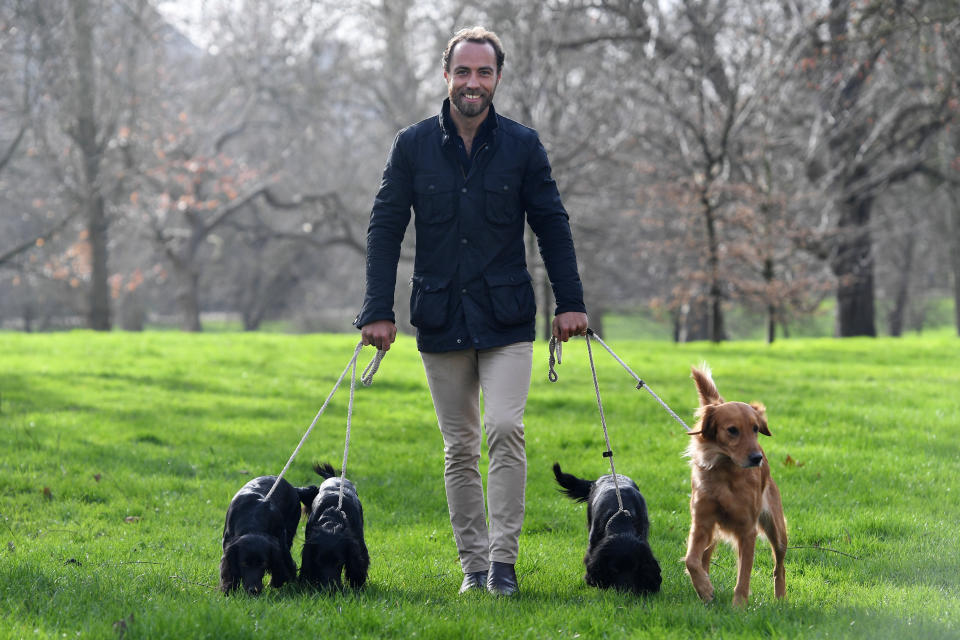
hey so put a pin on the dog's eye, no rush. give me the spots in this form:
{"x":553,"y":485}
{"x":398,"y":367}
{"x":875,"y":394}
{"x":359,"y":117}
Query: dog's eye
{"x":733,"y":431}
{"x":756,"y":429}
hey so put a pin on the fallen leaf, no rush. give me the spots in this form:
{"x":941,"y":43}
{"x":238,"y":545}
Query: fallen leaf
{"x":790,"y":462}
{"x":132,"y":519}
{"x":47,"y":494}
{"x":96,"y":477}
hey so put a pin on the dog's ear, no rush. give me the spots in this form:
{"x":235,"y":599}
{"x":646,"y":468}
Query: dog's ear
{"x":307,"y":562}
{"x":357,"y":564}
{"x":228,"y":574}
{"x":762,"y":416}
{"x":706,"y":389}
{"x":707,"y":422}
{"x":279,"y":565}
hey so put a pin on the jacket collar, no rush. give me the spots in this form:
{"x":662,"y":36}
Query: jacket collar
{"x":449,"y":128}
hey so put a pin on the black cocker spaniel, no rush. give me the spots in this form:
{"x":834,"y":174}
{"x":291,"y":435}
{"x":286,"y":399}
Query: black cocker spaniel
{"x":334,"y":543}
{"x":618,"y":554}
{"x":258,"y":534}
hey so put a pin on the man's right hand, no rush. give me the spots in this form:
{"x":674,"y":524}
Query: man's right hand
{"x":379,"y":333}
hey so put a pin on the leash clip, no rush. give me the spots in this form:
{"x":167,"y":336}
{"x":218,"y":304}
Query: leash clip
{"x":555,"y":347}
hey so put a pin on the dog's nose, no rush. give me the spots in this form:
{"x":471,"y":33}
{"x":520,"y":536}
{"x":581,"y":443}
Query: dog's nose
{"x":755,"y":459}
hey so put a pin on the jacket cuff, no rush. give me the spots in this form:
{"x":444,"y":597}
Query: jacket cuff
{"x":571,"y":306}
{"x":366,"y":317}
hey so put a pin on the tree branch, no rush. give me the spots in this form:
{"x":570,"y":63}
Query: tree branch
{"x":8,"y":155}
{"x":28,"y":244}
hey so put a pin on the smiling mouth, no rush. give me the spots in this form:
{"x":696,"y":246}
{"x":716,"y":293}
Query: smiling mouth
{"x":472,"y":96}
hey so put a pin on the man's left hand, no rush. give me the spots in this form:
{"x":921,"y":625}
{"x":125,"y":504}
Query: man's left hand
{"x":569,"y":323}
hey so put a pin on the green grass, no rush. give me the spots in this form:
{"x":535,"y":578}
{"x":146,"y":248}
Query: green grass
{"x":120,"y":452}
{"x":936,"y":316}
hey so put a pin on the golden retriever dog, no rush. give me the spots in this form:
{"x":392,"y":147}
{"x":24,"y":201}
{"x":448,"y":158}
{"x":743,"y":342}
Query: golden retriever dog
{"x":732,"y":495}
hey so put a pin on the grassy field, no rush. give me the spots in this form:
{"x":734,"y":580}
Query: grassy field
{"x":120,"y":452}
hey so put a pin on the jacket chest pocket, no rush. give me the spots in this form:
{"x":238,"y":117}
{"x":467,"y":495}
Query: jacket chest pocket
{"x":502,"y":195}
{"x":433,"y":198}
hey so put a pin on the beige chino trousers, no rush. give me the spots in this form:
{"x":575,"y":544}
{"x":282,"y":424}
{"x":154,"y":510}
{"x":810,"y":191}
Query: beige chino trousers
{"x":457,"y":379}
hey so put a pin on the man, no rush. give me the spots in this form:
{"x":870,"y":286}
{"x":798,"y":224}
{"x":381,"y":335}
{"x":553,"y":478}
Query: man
{"x":472,"y":176}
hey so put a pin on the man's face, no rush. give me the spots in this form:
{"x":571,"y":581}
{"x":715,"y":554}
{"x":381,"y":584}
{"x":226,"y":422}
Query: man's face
{"x":472,"y":78}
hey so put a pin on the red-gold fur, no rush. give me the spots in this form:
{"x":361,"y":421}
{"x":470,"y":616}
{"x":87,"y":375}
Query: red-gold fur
{"x":732,"y":493}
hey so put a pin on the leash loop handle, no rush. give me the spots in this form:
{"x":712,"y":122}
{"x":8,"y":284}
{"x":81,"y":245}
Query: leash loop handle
{"x":367,"y":377}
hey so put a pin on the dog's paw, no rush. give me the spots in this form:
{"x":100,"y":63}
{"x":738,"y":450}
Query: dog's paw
{"x":706,"y":593}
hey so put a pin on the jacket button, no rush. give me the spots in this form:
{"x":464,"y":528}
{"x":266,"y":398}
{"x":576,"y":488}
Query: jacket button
{"x":431,"y":188}
{"x":459,"y":340}
{"x":463,"y":290}
{"x":464,"y":190}
{"x":463,"y":241}
{"x":506,"y":188}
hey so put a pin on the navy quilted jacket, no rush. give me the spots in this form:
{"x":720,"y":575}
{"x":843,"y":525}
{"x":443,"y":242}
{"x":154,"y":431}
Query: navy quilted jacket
{"x":470,"y":285}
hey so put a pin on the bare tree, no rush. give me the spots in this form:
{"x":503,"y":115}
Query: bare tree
{"x":713,"y":154}
{"x":869,"y":129}
{"x":698,"y":82}
{"x":77,"y":82}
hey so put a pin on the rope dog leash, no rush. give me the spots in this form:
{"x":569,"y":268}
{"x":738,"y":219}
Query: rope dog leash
{"x":603,"y":421}
{"x":367,"y":380}
{"x":346,"y":444}
{"x":552,"y":374}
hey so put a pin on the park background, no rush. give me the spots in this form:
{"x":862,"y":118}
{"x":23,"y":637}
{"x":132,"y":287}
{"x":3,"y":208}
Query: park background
{"x":731,"y":169}
{"x":746,"y":182}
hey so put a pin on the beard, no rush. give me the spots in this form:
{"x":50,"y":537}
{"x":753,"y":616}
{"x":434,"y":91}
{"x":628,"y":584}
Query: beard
{"x":471,"y":109}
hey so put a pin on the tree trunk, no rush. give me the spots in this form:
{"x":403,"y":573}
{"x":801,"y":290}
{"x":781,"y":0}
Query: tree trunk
{"x":97,"y":228}
{"x":188,"y":297}
{"x":717,"y":333}
{"x":852,"y":264}
{"x":85,"y":134}
{"x":953,"y":224}
{"x":29,"y":311}
{"x":771,"y":307}
{"x":895,"y":319}
{"x":694,"y":322}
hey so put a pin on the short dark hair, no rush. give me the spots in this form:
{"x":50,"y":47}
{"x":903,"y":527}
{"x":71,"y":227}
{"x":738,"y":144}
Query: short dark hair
{"x":474,"y":34}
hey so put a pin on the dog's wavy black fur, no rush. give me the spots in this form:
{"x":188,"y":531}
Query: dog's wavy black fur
{"x":618,"y":554}
{"x":258,"y":534}
{"x":334,"y":543}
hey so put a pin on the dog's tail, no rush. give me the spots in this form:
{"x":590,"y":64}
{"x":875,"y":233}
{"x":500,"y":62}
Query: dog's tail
{"x":324,"y":469}
{"x":706,"y":388}
{"x":576,"y":488}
